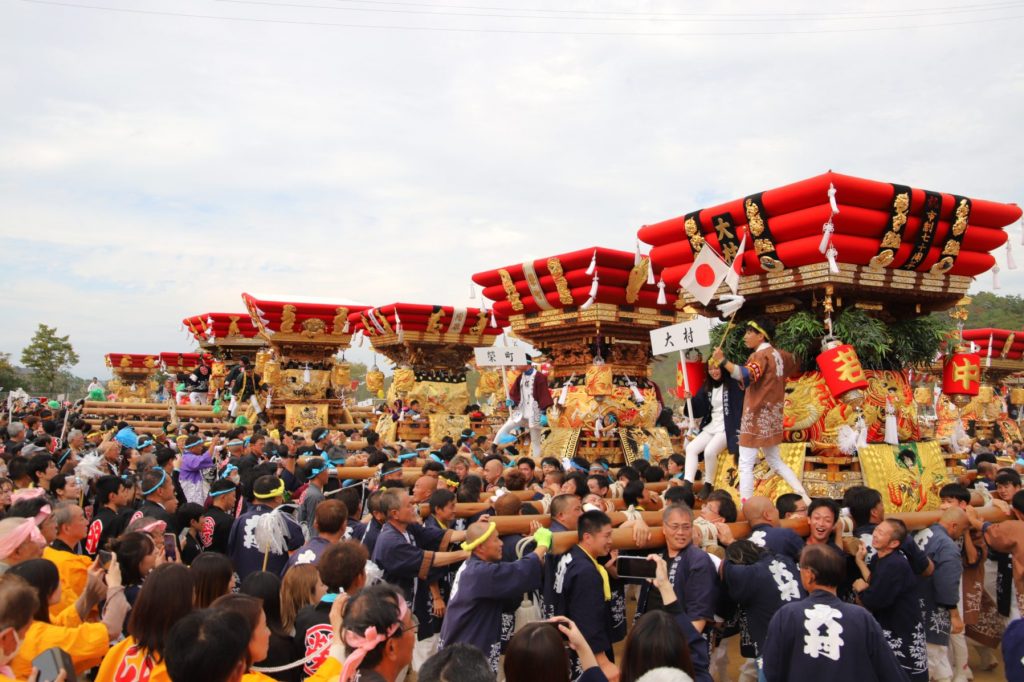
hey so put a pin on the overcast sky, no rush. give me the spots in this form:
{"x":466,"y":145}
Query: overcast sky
{"x":154,"y":166}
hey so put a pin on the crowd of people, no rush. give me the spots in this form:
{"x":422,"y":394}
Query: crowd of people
{"x":243,"y":556}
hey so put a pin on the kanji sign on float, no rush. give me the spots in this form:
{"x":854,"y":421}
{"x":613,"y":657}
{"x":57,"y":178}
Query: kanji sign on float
{"x":500,"y":356}
{"x":692,"y":334}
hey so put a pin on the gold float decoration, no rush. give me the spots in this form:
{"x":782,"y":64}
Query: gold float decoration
{"x":305,"y":416}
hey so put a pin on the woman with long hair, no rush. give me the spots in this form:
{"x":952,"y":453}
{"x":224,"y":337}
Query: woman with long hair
{"x":141,"y":653}
{"x":266,"y":587}
{"x":213,"y":576}
{"x":537,"y":653}
{"x":86,"y":643}
{"x":251,"y":608}
{"x":301,"y":587}
{"x":137,"y":555}
{"x":718,"y":404}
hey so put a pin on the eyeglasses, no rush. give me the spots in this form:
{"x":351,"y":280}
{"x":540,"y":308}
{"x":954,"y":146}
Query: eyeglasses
{"x":678,"y":527}
{"x":415,"y":624}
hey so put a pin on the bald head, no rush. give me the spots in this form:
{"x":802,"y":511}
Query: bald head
{"x":759,"y":510}
{"x":954,"y":520}
{"x":477,"y":529}
{"x":508,"y":505}
{"x":423,"y":488}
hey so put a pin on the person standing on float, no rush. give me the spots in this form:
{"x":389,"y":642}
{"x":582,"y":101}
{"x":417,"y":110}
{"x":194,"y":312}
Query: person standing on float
{"x":528,"y":399}
{"x":763,"y":379}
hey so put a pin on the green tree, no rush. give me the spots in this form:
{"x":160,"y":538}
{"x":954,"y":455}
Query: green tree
{"x":48,"y":355}
{"x":9,"y":379}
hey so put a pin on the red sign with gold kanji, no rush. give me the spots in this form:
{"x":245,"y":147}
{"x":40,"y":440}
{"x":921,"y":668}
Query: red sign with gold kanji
{"x":842,"y":370}
{"x":961,"y":375}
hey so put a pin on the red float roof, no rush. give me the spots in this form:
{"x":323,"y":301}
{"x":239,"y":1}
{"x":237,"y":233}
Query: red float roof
{"x":208,"y":327}
{"x":301,"y":321}
{"x":179,"y":362}
{"x":1005,"y":343}
{"x":458,"y":325}
{"x":562,"y":281}
{"x":136,"y":361}
{"x":921,"y":230}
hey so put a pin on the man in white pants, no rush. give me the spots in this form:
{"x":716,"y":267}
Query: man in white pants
{"x":528,"y":398}
{"x":763,"y":379}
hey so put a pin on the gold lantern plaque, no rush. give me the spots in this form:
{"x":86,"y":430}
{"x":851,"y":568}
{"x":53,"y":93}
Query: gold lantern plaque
{"x":307,"y":416}
{"x":404,"y":380}
{"x":599,"y":380}
{"x":1017,"y":396}
{"x":341,"y":376}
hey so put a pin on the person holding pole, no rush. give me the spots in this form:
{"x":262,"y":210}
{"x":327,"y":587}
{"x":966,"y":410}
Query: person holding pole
{"x":718,"y":404}
{"x":763,"y":379}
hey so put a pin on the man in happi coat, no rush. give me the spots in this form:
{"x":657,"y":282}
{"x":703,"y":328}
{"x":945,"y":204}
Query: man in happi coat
{"x":565,"y":512}
{"x":763,"y":379}
{"x":411,"y":556}
{"x":765,"y":532}
{"x":583,"y":591}
{"x":483,"y":583}
{"x":824,"y":638}
{"x":216,"y":522}
{"x":887,"y":587}
{"x":760,"y":582}
{"x":940,"y":592}
{"x":528,"y":398}
{"x":248,"y":551}
{"x":690,"y":569}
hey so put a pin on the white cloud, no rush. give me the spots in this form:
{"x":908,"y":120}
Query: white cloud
{"x":155,"y":167}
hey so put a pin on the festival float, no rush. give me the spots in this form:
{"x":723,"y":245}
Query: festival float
{"x":132,"y":389}
{"x":992,"y":394}
{"x":590,"y":313}
{"x":228,"y":337}
{"x":851,"y":270}
{"x":303,"y":384}
{"x":431,"y":347}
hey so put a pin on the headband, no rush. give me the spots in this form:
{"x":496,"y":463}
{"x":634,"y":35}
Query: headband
{"x":276,"y":492}
{"x":578,"y":467}
{"x":408,"y":455}
{"x":227,"y":470}
{"x":360,"y":645}
{"x":470,"y":546}
{"x":193,"y":443}
{"x":13,"y":540}
{"x":233,"y":443}
{"x":436,"y":457}
{"x":756,"y":327}
{"x":143,"y":444}
{"x":222,"y":492}
{"x":163,"y":479}
{"x":26,"y":494}
{"x":158,"y":526}
{"x":448,"y":482}
{"x":317,"y":472}
{"x":63,"y":458}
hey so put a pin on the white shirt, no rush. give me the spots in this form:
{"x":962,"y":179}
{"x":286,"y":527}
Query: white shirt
{"x":717,"y":424}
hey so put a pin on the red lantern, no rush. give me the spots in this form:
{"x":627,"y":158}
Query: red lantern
{"x":696,"y":371}
{"x":843,"y":373}
{"x":961,"y":377}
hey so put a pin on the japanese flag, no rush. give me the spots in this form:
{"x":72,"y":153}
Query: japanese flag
{"x":732,"y":278}
{"x":705,"y":275}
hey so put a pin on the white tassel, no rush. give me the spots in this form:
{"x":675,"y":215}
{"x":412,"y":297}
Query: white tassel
{"x":995,"y":277}
{"x":398,"y":327}
{"x":847,"y":440}
{"x":565,"y":391}
{"x":472,"y":292}
{"x":593,"y":263}
{"x":1010,"y":263}
{"x":826,"y":234}
{"x":587,"y":303}
{"x":730,"y":303}
{"x":637,"y":395}
{"x":831,"y":254}
{"x":593,"y":294}
{"x":636,"y":256}
{"x":862,"y":433}
{"x":305,"y":374}
{"x":650,"y":271}
{"x":598,"y":427}
{"x":892,"y":436}
{"x":959,"y":435}
{"x":832,"y":198}
{"x":269,"y":401}
{"x":661,"y":292}
{"x":494,"y":320}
